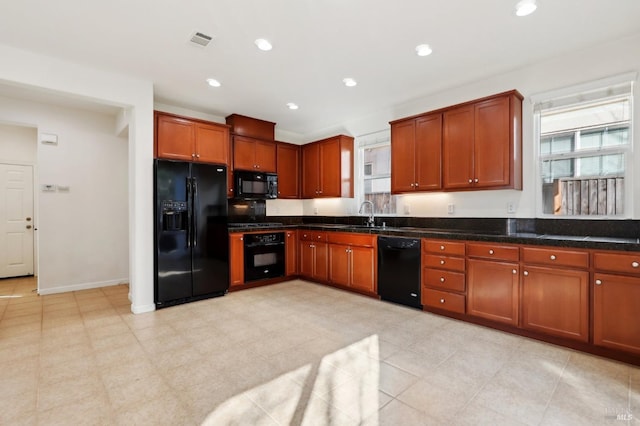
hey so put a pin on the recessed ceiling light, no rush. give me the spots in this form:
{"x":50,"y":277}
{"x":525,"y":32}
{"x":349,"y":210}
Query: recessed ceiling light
{"x":263,"y":44}
{"x":423,"y":50}
{"x":213,"y":82}
{"x":526,"y":7}
{"x":349,"y":82}
{"x":291,"y":105}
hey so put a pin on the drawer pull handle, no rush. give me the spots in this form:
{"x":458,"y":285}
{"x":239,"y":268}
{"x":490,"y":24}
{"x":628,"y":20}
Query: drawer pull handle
{"x":526,"y":273}
{"x":441,"y":279}
{"x":552,"y":257}
{"x":441,"y":247}
{"x":442,"y":262}
{"x":490,"y":251}
{"x":514,"y":271}
{"x":441,"y":300}
{"x":635,"y":264}
{"x":598,"y":282}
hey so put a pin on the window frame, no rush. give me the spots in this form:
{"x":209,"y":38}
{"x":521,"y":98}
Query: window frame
{"x":377,"y":139}
{"x":600,"y":86}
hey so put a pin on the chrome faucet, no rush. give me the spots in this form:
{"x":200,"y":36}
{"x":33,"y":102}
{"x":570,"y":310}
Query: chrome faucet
{"x":370,"y":220}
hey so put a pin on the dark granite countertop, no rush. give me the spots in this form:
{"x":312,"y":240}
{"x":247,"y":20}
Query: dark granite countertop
{"x":488,"y":235}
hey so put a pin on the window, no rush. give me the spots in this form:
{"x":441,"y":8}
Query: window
{"x":584,"y":148}
{"x":374,"y":172}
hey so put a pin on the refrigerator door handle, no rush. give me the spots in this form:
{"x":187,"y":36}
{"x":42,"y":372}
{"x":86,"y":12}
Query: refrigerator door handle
{"x":195,"y":210}
{"x":188,"y":181}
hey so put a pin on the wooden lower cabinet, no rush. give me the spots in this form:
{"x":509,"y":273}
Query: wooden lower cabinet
{"x":314,"y":260}
{"x":443,"y":300}
{"x":493,"y":290}
{"x":616,"y":306}
{"x":236,"y":259}
{"x":352,"y":266}
{"x":555,"y":301}
{"x":291,"y":253}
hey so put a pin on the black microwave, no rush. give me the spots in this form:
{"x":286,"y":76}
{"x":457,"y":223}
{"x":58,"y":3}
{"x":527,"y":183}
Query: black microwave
{"x":255,"y":185}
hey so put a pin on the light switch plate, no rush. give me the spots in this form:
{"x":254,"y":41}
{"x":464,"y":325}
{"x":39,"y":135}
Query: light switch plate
{"x":511,"y":207}
{"x":451,"y":208}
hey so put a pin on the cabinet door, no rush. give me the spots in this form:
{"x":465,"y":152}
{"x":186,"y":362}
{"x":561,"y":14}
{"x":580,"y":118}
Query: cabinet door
{"x":307,"y":259}
{"x":288,"y":169}
{"x":265,"y":156}
{"x":616,"y":304}
{"x":363,"y":269}
{"x":244,"y":153}
{"x":556,"y":301}
{"x":321,"y":265}
{"x":493,"y":290}
{"x":492,"y":143}
{"x":212,"y":144}
{"x":310,"y":170}
{"x":236,"y":259}
{"x":330,"y":172}
{"x":291,"y":249}
{"x":175,"y":138}
{"x":428,"y":153}
{"x":403,"y":158}
{"x":339,"y":264}
{"x":457,"y":148}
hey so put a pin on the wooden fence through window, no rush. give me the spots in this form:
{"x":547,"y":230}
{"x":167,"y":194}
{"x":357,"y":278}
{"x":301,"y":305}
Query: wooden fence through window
{"x":591,"y":196}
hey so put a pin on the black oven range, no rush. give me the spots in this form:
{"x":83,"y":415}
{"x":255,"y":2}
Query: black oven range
{"x":264,"y":256}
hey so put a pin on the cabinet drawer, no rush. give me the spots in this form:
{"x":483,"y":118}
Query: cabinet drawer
{"x":553,"y":256}
{"x":443,"y":262}
{"x":617,"y":262}
{"x":446,"y":280}
{"x":351,"y":239}
{"x":313,"y":236}
{"x":443,"y":300}
{"x":494,"y":251}
{"x":443,"y":246}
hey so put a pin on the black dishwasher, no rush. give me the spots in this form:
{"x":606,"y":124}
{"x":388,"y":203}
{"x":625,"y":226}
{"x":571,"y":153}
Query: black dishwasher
{"x":399,"y":270}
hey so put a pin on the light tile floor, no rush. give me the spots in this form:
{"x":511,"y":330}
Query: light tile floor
{"x":293,"y":353}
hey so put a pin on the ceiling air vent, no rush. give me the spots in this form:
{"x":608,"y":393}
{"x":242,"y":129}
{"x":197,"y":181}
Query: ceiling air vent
{"x":201,"y":39}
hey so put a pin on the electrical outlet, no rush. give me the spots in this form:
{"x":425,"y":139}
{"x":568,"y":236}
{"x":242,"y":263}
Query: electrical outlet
{"x":450,"y":208}
{"x":315,"y":210}
{"x":511,"y":207}
{"x":407,"y":209}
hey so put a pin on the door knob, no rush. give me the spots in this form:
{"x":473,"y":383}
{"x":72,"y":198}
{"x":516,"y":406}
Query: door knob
{"x":28,"y":219}
{"x":28,"y":226}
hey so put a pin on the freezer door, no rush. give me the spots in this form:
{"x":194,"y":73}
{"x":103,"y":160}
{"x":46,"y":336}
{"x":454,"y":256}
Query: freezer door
{"x":172,"y":228}
{"x":210,"y":244}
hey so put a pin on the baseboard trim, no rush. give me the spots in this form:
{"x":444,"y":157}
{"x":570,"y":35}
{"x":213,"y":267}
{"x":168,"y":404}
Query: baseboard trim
{"x":142,"y":309}
{"x":82,"y":286}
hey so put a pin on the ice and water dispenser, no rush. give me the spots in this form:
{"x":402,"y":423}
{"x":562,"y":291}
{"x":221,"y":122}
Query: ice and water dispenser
{"x":174,"y":215}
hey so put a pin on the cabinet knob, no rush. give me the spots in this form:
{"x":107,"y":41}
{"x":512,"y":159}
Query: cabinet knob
{"x":476,"y":180}
{"x":526,"y":273}
{"x":197,"y":155}
{"x":442,"y":262}
{"x":441,"y":300}
{"x":514,"y":271}
{"x":319,"y":192}
{"x":552,"y":257}
{"x":441,"y":279}
{"x":412,"y":185}
{"x":312,"y":246}
{"x":470,"y":180}
{"x":441,"y":247}
{"x":416,"y":184}
{"x":598,"y":282}
{"x":193,"y":155}
{"x":319,"y":236}
{"x":490,"y":251}
{"x":241,"y":238}
{"x":635,"y":264}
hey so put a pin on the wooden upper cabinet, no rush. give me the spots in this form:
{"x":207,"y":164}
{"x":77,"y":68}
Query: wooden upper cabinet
{"x":416,"y":147}
{"x":482,"y":144}
{"x":254,"y":154}
{"x":327,"y":168}
{"x":180,"y":138}
{"x":288,"y":169}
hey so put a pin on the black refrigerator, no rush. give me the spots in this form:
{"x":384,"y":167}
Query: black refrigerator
{"x":191,"y":235}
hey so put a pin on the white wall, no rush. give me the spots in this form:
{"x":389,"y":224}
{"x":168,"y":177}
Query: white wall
{"x":82,"y":233}
{"x":574,"y":68}
{"x":44,"y":73}
{"x":17,"y":144}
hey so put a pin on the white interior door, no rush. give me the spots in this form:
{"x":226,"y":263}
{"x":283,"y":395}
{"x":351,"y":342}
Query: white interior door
{"x":16,"y":220}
